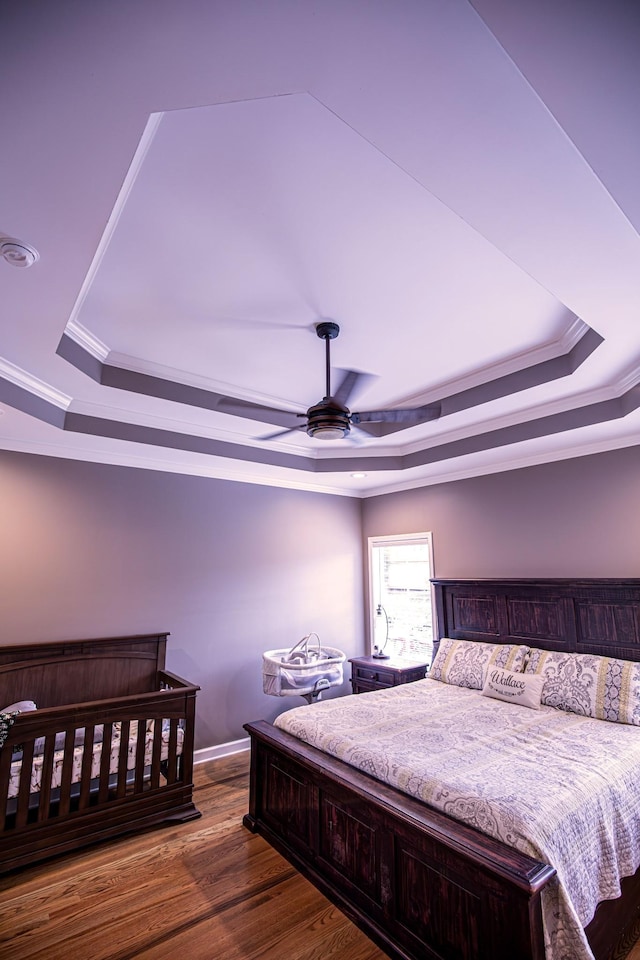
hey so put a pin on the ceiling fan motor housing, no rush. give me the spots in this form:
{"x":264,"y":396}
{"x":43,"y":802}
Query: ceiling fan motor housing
{"x":327,"y":330}
{"x":328,"y":420}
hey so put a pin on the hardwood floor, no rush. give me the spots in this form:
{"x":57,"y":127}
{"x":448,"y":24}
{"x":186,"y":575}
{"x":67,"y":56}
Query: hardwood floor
{"x":203,"y":890}
{"x":200,"y":891}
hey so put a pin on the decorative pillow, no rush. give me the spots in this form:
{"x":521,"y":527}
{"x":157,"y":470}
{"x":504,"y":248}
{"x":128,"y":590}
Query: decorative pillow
{"x":21,"y":706}
{"x":522,"y":688}
{"x":465,"y":662}
{"x":600,"y":687}
{"x":6,"y":722}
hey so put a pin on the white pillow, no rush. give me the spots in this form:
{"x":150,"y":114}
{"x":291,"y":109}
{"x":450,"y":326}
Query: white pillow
{"x":513,"y":687}
{"x":21,"y":706}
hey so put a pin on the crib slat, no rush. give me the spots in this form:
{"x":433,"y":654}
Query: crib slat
{"x":87,"y":761}
{"x":188,"y":729}
{"x":44,"y":800}
{"x":172,"y":760}
{"x":5,"y":772}
{"x":105,"y":759}
{"x":67,"y":773}
{"x":140,"y":745}
{"x":22,"y":810}
{"x":156,"y":754}
{"x":121,"y":787}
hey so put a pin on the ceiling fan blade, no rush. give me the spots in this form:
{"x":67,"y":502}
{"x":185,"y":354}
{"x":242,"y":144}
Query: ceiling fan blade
{"x":351,"y":380}
{"x":258,"y":411}
{"x":357,"y":436}
{"x":405,"y":416}
{"x":283,"y":433}
{"x":382,"y":423}
{"x":258,"y":323}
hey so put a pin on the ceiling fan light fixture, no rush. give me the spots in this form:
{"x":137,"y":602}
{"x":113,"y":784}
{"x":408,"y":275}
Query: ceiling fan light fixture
{"x":327,"y":433}
{"x":328,"y":420}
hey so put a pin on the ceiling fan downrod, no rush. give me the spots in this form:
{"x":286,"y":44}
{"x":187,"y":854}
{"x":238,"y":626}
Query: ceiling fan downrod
{"x":327,"y":331}
{"x":328,"y":420}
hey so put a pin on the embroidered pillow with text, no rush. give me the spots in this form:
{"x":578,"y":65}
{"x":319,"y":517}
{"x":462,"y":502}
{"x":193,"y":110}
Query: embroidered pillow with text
{"x":513,"y":687}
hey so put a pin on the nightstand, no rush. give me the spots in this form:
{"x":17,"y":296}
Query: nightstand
{"x":371,"y":673}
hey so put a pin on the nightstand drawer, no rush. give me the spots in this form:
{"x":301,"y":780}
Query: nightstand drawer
{"x":382,"y":677}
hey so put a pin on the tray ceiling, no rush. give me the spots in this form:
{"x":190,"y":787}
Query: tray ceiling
{"x":205,"y":187}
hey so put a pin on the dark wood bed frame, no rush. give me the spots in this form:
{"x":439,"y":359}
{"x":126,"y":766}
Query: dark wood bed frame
{"x":422,"y":885}
{"x":84,"y":684}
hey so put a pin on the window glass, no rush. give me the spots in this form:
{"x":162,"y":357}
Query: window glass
{"x":402,"y":619}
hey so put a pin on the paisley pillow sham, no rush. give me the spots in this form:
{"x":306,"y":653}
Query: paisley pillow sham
{"x":465,"y":663}
{"x":593,"y":686}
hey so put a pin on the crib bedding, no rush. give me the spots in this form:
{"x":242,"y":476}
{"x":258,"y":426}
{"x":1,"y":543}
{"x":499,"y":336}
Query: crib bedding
{"x":558,"y":786}
{"x":97,"y":748}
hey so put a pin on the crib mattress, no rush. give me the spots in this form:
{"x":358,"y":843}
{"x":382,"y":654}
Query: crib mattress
{"x":114,"y":746}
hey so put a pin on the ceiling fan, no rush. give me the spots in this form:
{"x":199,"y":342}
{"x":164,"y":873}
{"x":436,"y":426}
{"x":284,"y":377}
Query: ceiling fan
{"x":330,"y":418}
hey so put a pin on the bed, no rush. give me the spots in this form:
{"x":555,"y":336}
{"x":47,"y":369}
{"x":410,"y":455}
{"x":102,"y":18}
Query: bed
{"x":422,"y":882}
{"x":98,"y":742}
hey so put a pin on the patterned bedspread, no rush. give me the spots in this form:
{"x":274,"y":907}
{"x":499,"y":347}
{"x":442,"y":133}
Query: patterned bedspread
{"x":562,"y":788}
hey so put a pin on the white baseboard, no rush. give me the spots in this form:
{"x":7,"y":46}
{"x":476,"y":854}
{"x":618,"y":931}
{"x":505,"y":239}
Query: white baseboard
{"x":221,"y":750}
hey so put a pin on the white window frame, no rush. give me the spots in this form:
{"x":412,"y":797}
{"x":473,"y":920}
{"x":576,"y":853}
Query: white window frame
{"x":399,"y":540}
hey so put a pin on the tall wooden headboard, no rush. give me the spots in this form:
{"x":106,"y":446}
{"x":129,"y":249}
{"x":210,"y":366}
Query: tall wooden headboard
{"x":586,"y":616}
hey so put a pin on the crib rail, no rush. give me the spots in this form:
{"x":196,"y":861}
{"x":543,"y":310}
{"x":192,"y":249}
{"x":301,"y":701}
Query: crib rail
{"x":99,"y":767}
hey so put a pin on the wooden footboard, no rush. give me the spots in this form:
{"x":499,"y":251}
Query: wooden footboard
{"x":418,"y":883}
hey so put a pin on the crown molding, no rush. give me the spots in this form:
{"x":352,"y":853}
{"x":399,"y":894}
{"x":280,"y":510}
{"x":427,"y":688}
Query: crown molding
{"x":504,"y":466}
{"x":219,"y":470}
{"x":147,"y":368}
{"x":225,"y":470}
{"x":628,"y":380}
{"x":33,"y":385}
{"x":174,"y":375}
{"x":172,"y":424}
{"x":48,"y":393}
{"x":161,"y":386}
{"x":85,"y":339}
{"x":563,"y":415}
{"x":524,"y":415}
{"x":574,"y":332}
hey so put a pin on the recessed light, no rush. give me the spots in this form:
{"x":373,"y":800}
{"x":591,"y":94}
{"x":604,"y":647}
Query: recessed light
{"x":358,"y":476}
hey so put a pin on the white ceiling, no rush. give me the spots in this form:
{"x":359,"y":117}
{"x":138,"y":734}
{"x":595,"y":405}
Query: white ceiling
{"x":455,"y":184}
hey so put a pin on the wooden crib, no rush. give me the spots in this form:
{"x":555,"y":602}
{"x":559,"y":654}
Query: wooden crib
{"x":109,"y":749}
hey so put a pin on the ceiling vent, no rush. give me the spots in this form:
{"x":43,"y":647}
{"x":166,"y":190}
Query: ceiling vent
{"x":17,"y":252}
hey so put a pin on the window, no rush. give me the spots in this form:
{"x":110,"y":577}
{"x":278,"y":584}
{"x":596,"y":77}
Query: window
{"x":402,"y":618}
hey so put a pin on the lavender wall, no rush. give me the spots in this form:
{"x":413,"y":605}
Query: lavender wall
{"x":574,"y":518}
{"x":231,"y":569}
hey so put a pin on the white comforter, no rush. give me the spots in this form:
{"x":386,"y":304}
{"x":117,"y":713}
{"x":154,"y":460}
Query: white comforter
{"x":562,"y":788}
